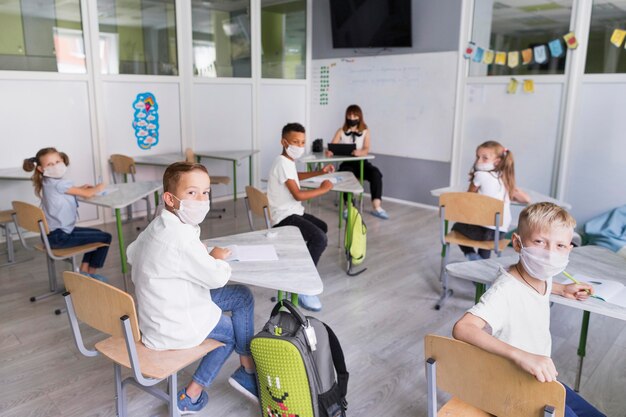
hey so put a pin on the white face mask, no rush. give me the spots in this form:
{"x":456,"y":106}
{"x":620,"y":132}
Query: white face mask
{"x":489,"y":166}
{"x":295,"y":152}
{"x":55,"y":171}
{"x":192,"y":212}
{"x":541,"y":263}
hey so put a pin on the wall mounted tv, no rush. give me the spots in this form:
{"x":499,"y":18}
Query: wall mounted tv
{"x":371,"y":23}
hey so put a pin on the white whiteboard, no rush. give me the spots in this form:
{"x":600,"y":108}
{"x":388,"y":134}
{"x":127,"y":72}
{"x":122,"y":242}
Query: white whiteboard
{"x":407,"y":101}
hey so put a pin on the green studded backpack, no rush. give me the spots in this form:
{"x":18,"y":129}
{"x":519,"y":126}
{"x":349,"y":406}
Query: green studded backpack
{"x":355,"y":240}
{"x":300,"y":366}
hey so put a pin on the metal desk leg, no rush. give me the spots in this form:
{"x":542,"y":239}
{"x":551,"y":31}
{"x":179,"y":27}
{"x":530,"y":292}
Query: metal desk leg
{"x":294,"y":299}
{"x":235,"y":181}
{"x":480,"y":290}
{"x":120,"y":239}
{"x":250,"y":170}
{"x":340,"y":218}
{"x":582,"y":346}
{"x":361,"y":177}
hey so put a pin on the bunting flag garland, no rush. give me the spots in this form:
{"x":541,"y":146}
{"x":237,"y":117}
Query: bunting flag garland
{"x":541,"y":55}
{"x":478,"y":55}
{"x":489,"y":56}
{"x":513,"y":59}
{"x":556,"y":49}
{"x":512,"y":87}
{"x":538,"y":54}
{"x":529,"y":86}
{"x":500,"y":58}
{"x":618,"y":37}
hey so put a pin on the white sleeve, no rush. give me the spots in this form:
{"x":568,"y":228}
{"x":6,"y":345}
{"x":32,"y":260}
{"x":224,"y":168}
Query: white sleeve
{"x":197,"y":266}
{"x":479,"y":178}
{"x":284,"y":172}
{"x":493,"y":308}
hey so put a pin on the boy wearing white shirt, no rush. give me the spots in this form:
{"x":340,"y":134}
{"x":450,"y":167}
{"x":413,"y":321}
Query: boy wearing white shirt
{"x":517,"y":306}
{"x":181,"y":292}
{"x":285,"y":196}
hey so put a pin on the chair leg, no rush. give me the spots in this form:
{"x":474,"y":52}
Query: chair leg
{"x":172,"y":382}
{"x":443,"y":277}
{"x":52,"y":279}
{"x":120,"y":401}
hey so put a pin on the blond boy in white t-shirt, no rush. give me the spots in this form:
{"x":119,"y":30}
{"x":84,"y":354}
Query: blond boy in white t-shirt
{"x":517,"y":306}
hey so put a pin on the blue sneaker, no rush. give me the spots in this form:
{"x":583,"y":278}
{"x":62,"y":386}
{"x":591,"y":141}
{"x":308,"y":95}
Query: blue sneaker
{"x":310,"y":302}
{"x":473,"y":256}
{"x":380,"y":213}
{"x":186,"y":406}
{"x":245,"y":383}
{"x":96,"y":276}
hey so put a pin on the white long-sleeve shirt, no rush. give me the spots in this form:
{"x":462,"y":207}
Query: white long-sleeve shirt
{"x":173,"y":274}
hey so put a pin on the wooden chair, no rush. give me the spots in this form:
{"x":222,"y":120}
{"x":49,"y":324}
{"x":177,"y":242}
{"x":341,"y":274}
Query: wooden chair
{"x":112,"y":311}
{"x":125,"y":166}
{"x":190,"y":156}
{"x":6,"y":218}
{"x":32,"y":219}
{"x":470,"y":208}
{"x":484,"y":384}
{"x":257,"y":203}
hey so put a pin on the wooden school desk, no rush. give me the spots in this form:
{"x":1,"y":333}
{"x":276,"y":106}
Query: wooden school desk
{"x":294,"y":271}
{"x":534,"y":196}
{"x":320,"y":158}
{"x":121,"y":196}
{"x":593,"y":261}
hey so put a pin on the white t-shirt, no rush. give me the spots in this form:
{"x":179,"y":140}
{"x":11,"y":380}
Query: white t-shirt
{"x":517,"y":314}
{"x":491,"y":184}
{"x":347,"y":138}
{"x":173,"y":275}
{"x":282,"y":203}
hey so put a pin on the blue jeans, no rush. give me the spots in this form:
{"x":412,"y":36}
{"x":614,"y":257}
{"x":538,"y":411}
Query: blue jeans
{"x":577,"y":406}
{"x":235,"y":331}
{"x":81,"y":236}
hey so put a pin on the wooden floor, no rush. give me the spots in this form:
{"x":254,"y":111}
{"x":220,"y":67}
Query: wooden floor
{"x":380,"y":318}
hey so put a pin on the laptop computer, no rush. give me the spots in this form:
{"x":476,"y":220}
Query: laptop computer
{"x":342,"y":149}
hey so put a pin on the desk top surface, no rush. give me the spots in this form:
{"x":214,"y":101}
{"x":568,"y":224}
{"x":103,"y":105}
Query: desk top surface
{"x":293,"y":272}
{"x":164,"y":159}
{"x":15,"y":173}
{"x":535,"y":196}
{"x":588,"y":260}
{"x":123,"y":195}
{"x":227,"y":155}
{"x":347,"y":182}
{"x":321,"y":157}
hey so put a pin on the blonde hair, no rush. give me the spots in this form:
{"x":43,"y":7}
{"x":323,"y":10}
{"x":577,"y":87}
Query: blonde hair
{"x":172,"y":174}
{"x":506,"y":166}
{"x":31,"y":164}
{"x":542,"y":216}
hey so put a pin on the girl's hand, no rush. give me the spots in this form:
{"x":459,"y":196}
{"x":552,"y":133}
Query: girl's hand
{"x":98,"y":188}
{"x":328,"y":168}
{"x":329,"y":153}
{"x":220,"y":253}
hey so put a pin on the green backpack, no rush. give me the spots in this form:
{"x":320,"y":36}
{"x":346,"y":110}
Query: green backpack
{"x":355,"y":240}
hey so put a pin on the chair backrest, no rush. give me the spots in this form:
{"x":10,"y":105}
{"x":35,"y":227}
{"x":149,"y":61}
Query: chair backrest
{"x":471,"y":208}
{"x":101,"y":305}
{"x":190,"y":156}
{"x":122,"y":164}
{"x":258,"y":204}
{"x":29,"y":216}
{"x":490,"y":382}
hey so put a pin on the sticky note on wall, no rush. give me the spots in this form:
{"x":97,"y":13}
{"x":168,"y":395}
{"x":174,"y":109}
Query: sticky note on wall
{"x":570,"y":40}
{"x":529,"y":86}
{"x":478,"y":54}
{"x":512,"y":87}
{"x":556,"y":49}
{"x":469,"y":51}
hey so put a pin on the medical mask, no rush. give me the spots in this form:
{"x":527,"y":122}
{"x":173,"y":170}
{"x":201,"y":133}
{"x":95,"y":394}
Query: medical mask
{"x":351,"y":122}
{"x":55,"y":171}
{"x":541,"y":263}
{"x":295,"y":152}
{"x":192,"y":212}
{"x":489,"y":166}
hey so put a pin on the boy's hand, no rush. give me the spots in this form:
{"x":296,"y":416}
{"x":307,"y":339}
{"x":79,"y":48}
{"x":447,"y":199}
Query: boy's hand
{"x":541,"y":367}
{"x":329,"y":153}
{"x":326,"y":185}
{"x":577,"y":291}
{"x":328,"y":168}
{"x":220,"y":253}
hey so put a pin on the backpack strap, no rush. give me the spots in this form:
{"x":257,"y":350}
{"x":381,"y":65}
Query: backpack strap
{"x":292,"y":309}
{"x":335,"y":399}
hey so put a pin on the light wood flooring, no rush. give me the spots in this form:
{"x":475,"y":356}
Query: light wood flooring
{"x":380,"y":318}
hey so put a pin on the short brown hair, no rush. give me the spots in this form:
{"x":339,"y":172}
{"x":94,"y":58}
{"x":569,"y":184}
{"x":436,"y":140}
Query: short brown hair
{"x":540,"y":216}
{"x":173,"y":173}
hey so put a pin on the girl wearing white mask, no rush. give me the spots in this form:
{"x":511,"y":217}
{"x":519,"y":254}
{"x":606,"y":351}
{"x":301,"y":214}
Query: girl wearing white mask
{"x":355,"y":130}
{"x":493,"y":175}
{"x":58,"y":200}
{"x":517,"y":306}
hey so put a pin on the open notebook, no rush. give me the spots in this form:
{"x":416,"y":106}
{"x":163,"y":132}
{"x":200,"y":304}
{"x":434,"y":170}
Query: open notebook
{"x":250,"y":253}
{"x":611,"y":291}
{"x":334,"y":178}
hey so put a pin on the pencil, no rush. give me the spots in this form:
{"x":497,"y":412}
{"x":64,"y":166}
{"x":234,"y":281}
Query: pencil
{"x":578,"y":282}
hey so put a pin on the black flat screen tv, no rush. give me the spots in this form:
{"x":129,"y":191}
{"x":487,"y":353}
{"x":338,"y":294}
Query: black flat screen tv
{"x":371,"y":23}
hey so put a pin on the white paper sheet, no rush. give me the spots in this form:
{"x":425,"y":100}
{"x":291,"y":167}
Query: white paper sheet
{"x":252,"y":253}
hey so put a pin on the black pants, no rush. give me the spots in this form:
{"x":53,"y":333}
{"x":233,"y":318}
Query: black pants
{"x":370,"y":173}
{"x":476,"y":233}
{"x":313,"y":231}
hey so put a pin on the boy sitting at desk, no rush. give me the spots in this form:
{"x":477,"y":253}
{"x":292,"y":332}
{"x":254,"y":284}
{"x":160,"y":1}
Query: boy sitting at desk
{"x":517,"y":306}
{"x":285,"y":196}
{"x":181,"y":292}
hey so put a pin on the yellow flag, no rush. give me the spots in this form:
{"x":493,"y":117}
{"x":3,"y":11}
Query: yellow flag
{"x":529,"y":86}
{"x":513,"y":59}
{"x":618,"y":37}
{"x":500,"y":58}
{"x":527,"y":56}
{"x":488,"y":57}
{"x":512,"y":87}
